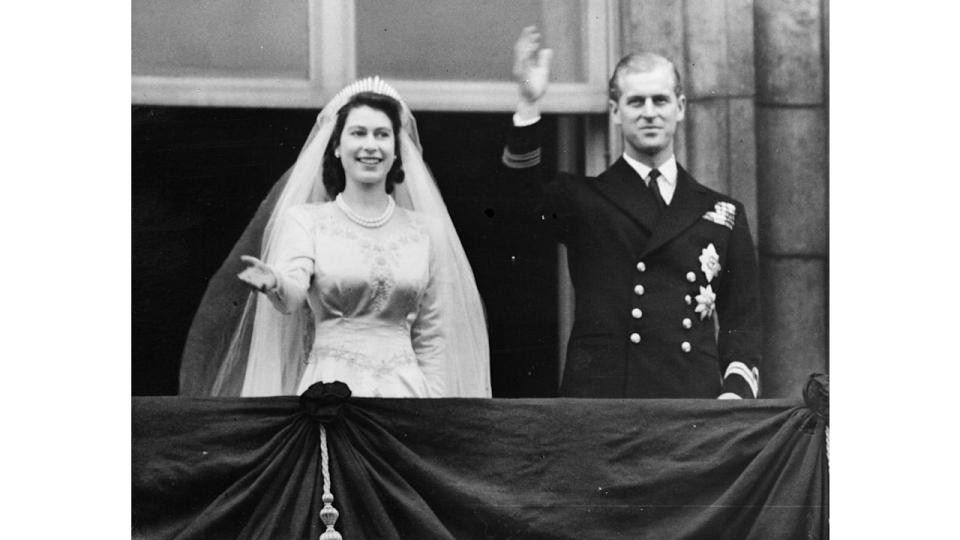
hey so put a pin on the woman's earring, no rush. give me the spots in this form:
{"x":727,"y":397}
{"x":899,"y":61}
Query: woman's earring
{"x":336,"y":154}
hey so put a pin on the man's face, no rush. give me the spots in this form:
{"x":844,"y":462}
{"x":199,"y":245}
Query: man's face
{"x":648,"y":112}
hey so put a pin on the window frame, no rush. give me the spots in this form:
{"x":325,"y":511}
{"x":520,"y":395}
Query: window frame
{"x":332,"y":27}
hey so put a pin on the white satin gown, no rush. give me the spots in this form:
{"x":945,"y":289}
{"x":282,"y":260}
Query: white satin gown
{"x":372,"y":294}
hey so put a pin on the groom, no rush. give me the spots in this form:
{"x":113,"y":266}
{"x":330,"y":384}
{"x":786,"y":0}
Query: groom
{"x":654,"y":256}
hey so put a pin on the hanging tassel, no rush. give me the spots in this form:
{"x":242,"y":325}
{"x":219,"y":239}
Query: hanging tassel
{"x":328,"y":514}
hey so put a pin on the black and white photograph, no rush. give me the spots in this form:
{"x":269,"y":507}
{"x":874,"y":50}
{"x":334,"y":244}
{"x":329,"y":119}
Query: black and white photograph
{"x":495,"y":269}
{"x":587,"y":218}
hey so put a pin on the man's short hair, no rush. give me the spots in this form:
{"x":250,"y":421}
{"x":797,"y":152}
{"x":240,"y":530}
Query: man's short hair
{"x":641,"y":62}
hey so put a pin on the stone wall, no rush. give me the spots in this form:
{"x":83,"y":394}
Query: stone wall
{"x":792,"y":165}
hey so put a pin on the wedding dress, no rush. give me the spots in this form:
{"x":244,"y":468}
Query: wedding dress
{"x":373,"y":297}
{"x":396,"y":315}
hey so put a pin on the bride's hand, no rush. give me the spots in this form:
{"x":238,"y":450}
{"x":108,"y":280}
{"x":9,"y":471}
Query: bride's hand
{"x":257,"y":275}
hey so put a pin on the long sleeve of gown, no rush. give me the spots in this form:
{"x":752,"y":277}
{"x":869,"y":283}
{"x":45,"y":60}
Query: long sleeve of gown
{"x":292,"y":261}
{"x":427,"y":332}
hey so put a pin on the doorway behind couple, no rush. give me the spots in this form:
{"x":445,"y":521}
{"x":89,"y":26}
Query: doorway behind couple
{"x":199,"y":174}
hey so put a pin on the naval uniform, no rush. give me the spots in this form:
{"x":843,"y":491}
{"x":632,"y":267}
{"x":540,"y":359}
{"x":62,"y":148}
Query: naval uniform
{"x":649,"y":281}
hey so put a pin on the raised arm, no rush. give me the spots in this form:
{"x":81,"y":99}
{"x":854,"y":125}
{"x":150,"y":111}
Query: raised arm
{"x":531,"y":68}
{"x":522,"y":154}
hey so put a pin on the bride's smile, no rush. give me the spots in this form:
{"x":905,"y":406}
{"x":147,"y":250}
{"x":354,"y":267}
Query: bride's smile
{"x":367,"y":146}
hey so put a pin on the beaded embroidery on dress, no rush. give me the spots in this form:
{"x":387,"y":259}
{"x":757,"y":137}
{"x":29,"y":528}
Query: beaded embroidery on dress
{"x":375,"y":312}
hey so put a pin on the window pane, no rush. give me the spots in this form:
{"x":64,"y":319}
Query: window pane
{"x":221,"y":38}
{"x":464,"y":39}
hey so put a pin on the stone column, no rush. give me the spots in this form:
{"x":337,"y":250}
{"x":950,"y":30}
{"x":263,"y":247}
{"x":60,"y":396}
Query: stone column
{"x":711,"y":42}
{"x":719,"y":71}
{"x":791,"y":132}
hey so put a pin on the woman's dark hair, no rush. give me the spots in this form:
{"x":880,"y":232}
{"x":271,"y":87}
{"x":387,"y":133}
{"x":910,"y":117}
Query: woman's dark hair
{"x":334,"y":179}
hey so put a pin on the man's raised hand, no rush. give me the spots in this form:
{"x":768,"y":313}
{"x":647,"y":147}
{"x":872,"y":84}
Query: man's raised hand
{"x":531,"y":65}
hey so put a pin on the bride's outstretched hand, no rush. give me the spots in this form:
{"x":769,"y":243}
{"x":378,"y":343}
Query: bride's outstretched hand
{"x":257,"y":275}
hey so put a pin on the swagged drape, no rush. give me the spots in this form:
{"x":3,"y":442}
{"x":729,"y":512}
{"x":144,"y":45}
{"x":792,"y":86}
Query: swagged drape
{"x":243,"y":468}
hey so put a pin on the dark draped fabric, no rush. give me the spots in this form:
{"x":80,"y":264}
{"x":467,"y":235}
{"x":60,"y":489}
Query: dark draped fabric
{"x":482,"y":468}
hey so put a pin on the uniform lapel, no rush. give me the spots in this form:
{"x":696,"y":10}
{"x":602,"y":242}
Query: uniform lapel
{"x":623,"y":187}
{"x":688,"y":205}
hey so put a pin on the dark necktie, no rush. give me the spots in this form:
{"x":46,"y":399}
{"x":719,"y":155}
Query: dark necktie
{"x":655,"y":188}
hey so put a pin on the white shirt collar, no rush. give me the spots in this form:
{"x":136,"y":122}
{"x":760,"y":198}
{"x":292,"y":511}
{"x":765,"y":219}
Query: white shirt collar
{"x":668,"y":170}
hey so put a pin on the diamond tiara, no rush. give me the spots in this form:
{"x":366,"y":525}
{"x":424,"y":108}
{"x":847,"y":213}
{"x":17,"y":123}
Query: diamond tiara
{"x":369,"y":84}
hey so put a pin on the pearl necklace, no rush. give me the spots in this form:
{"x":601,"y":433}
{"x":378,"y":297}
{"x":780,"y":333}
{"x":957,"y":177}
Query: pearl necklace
{"x":370,"y":223}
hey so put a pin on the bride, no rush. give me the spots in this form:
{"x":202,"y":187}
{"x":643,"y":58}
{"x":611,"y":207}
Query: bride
{"x":360,"y":277}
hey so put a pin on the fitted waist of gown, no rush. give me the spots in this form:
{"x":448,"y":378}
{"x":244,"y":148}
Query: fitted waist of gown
{"x":375,"y":345}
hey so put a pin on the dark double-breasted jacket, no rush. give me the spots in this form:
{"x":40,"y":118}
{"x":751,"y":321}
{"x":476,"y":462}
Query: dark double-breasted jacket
{"x":649,"y":283}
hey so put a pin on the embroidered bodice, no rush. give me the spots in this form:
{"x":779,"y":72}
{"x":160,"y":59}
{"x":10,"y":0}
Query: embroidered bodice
{"x":371,"y":293}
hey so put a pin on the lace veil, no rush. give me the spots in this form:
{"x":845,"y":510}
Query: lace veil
{"x":240,"y":345}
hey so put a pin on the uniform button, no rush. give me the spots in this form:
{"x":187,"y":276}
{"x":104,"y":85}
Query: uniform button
{"x":685,"y":346}
{"x":687,"y":323}
{"x":641,"y":267}
{"x":635,"y":337}
{"x":691,"y":277}
{"x":687,"y":299}
{"x":636,"y":313}
{"x":638,"y":290}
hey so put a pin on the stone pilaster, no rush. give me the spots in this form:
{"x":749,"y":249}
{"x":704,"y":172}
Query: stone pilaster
{"x":793,"y":177}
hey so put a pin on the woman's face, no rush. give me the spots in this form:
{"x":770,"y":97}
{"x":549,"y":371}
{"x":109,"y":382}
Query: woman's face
{"x":367,"y":146}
